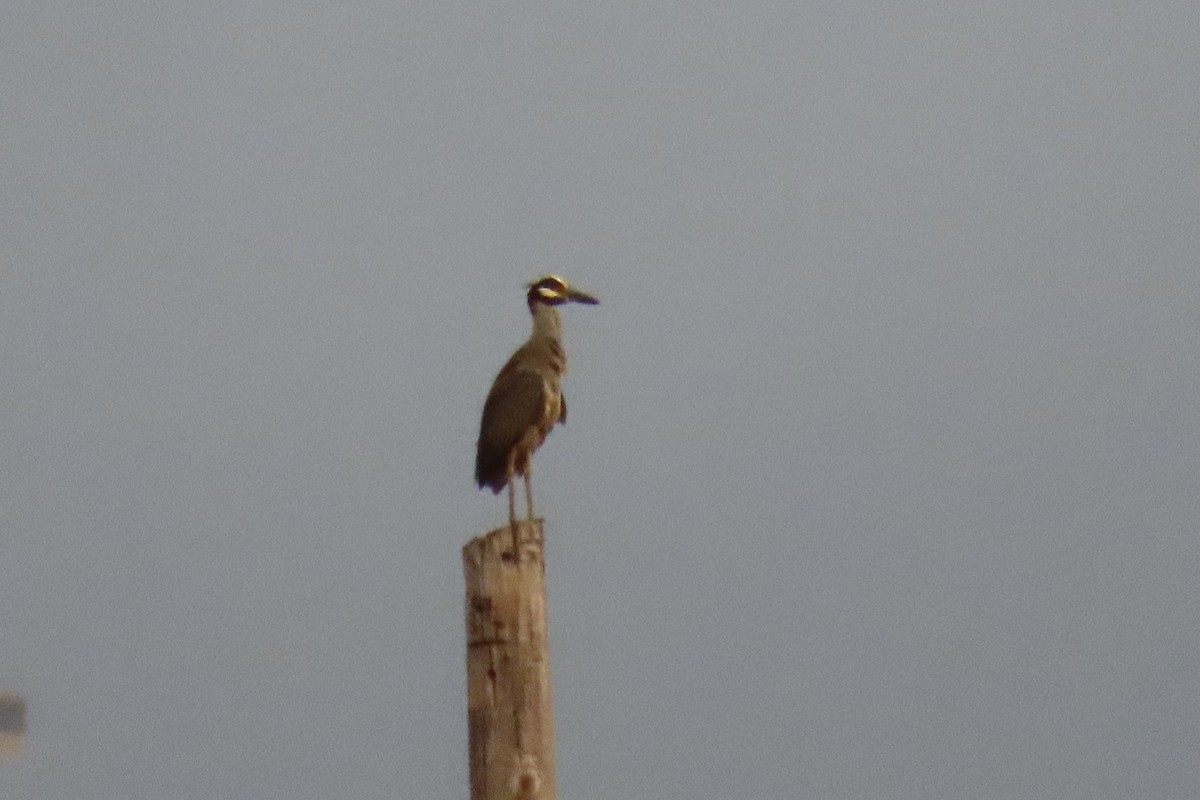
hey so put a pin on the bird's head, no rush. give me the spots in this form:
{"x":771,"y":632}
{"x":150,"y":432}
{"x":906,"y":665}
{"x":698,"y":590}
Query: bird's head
{"x":552,"y":290}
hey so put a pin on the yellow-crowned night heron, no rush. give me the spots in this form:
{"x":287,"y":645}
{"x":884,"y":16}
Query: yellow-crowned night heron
{"x":526,"y":399}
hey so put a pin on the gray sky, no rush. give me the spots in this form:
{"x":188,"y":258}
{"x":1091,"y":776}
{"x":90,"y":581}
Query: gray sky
{"x":881,"y":475}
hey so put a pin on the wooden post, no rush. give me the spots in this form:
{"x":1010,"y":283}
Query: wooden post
{"x":509,"y":714}
{"x":12,"y":725}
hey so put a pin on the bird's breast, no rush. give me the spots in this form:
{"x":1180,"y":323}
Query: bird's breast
{"x":552,"y":409}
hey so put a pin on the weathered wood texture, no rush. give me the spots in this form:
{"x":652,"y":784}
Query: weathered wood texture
{"x":509,"y":712}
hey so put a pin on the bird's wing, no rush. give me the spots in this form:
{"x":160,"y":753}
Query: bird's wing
{"x":516,"y":402}
{"x":562,"y":401}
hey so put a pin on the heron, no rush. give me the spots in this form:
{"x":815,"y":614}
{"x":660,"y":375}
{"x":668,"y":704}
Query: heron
{"x":526,"y":399}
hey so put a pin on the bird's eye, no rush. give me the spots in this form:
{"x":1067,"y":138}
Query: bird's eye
{"x":547,"y":292}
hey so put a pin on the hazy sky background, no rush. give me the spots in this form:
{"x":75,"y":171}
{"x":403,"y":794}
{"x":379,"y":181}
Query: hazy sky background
{"x":881,"y":479}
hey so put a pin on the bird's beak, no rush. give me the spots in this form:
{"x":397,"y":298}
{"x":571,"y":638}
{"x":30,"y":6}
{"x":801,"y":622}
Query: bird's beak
{"x":576,"y":296}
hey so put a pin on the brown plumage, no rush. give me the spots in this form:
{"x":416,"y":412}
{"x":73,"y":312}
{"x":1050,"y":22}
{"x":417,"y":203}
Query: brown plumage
{"x":526,"y":399}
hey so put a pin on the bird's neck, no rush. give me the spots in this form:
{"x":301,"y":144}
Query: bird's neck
{"x":547,"y":322}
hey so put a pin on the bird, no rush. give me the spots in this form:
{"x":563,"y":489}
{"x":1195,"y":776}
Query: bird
{"x":526,"y":399}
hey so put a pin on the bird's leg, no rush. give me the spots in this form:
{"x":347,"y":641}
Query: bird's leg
{"x":529,"y":491}
{"x":512,"y":509}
